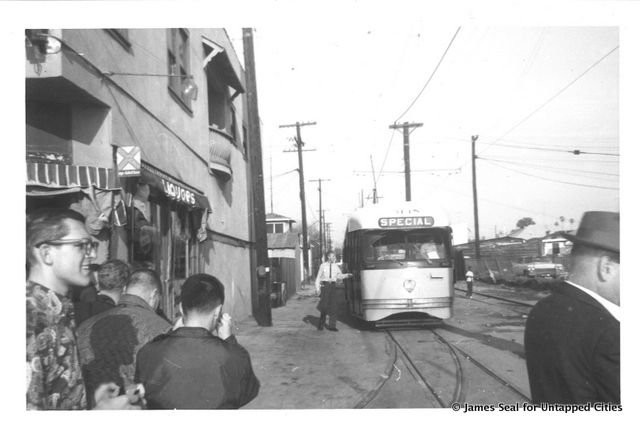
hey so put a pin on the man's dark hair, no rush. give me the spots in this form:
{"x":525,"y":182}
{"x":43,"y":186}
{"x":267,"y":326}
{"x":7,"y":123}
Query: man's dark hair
{"x":201,"y":293}
{"x":113,"y":275}
{"x":48,"y":224}
{"x":144,"y":280}
{"x":329,"y":253}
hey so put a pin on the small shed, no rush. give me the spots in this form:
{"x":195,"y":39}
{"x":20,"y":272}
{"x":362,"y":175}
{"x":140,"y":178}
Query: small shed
{"x":285,"y":256}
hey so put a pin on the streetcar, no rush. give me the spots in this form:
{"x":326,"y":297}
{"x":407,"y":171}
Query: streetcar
{"x":402,"y":264}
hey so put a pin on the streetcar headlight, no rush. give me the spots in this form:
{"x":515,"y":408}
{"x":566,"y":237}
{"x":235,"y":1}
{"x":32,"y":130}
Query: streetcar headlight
{"x":409,"y":285}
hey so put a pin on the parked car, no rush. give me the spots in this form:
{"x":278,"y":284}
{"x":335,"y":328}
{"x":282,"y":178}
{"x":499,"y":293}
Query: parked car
{"x":539,"y":267}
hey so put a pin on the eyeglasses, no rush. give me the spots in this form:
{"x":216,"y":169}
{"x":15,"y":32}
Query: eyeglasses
{"x":89,"y":246}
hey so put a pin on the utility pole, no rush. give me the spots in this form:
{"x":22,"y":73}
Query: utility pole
{"x":303,"y":204}
{"x":407,"y":154}
{"x":474,"y":138}
{"x":373,"y":174}
{"x":321,"y":213}
{"x":260,"y":285}
{"x":271,"y":178}
{"x":328,"y":234}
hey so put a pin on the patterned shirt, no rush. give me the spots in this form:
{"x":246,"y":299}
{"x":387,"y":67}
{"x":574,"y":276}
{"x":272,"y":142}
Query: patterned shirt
{"x":54,"y":379}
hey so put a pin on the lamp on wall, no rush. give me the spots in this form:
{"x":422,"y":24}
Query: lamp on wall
{"x":189,"y":87}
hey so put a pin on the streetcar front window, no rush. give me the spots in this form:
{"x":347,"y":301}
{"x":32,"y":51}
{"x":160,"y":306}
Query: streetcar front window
{"x":426,"y":247}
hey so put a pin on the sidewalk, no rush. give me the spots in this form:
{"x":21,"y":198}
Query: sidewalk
{"x":300,"y":367}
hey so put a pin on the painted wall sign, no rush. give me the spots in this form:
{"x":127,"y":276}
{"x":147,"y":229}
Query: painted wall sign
{"x":128,"y":159}
{"x":178,"y":193}
{"x":406,"y":222}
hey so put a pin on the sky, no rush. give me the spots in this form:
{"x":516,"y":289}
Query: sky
{"x":355,"y":81}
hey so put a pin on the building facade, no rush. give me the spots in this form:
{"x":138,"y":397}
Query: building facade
{"x":145,"y":132}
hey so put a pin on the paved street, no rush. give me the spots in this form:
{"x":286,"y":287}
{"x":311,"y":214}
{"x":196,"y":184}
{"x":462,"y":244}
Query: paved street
{"x":302,"y":368}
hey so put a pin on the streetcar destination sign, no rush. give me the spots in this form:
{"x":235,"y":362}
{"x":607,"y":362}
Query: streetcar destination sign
{"x":406,"y":221}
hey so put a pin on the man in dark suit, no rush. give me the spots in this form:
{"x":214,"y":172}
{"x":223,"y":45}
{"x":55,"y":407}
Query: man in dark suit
{"x":572,"y":337}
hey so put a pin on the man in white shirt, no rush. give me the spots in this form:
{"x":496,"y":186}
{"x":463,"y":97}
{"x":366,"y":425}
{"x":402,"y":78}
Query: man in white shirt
{"x":329,"y":274}
{"x":572,"y":337}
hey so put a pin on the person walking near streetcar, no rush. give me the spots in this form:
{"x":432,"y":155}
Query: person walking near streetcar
{"x":329,"y":274}
{"x":572,"y":337}
{"x":469,"y":279}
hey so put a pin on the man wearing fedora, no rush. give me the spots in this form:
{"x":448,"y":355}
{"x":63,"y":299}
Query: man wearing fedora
{"x":572,"y":337}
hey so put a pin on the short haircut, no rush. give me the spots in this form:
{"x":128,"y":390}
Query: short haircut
{"x":48,"y":224}
{"x":144,"y":281}
{"x":113,"y":275}
{"x":201,"y":293}
{"x":329,"y":253}
{"x":583,"y":250}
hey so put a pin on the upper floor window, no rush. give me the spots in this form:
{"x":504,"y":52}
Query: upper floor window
{"x":178,"y":63}
{"x":223,"y":86}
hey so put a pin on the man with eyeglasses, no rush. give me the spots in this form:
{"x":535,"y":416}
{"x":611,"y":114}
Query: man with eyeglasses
{"x":59,"y":253}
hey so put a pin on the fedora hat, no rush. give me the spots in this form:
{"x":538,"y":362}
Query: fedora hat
{"x":598,"y":229}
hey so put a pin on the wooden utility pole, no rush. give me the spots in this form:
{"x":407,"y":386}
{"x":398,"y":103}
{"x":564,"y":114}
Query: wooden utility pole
{"x":260,"y":285}
{"x":321,"y":213}
{"x":474,"y":138}
{"x":375,"y":188}
{"x":407,"y":154}
{"x":303,"y":203}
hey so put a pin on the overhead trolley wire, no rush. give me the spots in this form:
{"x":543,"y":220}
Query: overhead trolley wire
{"x":576,"y":152}
{"x":416,"y":99}
{"x":531,"y":165}
{"x":551,"y":180}
{"x":548,"y":101}
{"x":430,"y":77}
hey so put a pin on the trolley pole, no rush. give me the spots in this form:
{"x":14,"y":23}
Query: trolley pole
{"x":474,"y":138}
{"x":305,"y":243}
{"x":407,"y":154}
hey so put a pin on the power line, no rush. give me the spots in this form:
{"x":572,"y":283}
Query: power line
{"x":430,"y":77}
{"x":547,"y":102}
{"x":553,"y":180}
{"x":531,"y":165}
{"x":576,"y":152}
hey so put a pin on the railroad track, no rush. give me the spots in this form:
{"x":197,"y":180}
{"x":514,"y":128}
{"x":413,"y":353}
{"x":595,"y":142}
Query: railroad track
{"x":462,"y":363}
{"x":516,"y":302}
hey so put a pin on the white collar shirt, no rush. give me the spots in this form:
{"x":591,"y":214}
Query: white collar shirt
{"x":328,"y":272}
{"x":608,"y":305}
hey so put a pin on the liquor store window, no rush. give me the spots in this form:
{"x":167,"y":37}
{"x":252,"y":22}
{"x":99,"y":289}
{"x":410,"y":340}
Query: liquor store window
{"x":178,"y":64}
{"x":162,"y":237}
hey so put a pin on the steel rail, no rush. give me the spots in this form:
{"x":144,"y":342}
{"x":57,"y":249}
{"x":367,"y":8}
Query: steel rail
{"x":416,"y":372}
{"x":487,"y":370}
{"x":526,"y":304}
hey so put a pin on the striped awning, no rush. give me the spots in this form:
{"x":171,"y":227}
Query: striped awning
{"x":59,"y":176}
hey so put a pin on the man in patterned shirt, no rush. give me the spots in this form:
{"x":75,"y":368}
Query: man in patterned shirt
{"x":59,"y":251}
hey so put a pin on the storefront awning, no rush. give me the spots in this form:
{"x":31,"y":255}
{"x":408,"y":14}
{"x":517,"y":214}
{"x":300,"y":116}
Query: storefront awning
{"x":53,"y":178}
{"x":173,"y":189}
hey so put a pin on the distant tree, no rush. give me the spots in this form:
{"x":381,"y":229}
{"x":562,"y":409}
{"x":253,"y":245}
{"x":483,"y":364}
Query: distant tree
{"x":524,"y":222}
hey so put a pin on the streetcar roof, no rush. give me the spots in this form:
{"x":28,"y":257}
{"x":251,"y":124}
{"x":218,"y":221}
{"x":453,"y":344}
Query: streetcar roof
{"x":398,"y":216}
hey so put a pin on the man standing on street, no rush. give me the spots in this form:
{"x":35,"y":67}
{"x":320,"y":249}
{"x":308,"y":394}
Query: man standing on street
{"x":108,"y":343}
{"x":190,"y":367}
{"x":469,"y":279}
{"x":572,"y":337}
{"x":328,"y":275}
{"x":59,"y":252}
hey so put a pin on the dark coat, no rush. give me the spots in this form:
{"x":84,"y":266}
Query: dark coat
{"x":109,"y":341}
{"x":572,"y":345}
{"x":86,"y":309}
{"x":189,"y":368}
